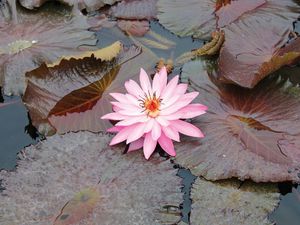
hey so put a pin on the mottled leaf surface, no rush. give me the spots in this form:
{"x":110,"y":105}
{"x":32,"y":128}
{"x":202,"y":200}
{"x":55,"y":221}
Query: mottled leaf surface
{"x":26,"y":45}
{"x":249,"y":134}
{"x":232,"y":202}
{"x":50,"y":174}
{"x":135,"y":9}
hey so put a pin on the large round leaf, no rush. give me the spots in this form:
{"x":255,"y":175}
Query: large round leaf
{"x":200,"y":17}
{"x":26,"y":45}
{"x":232,"y":202}
{"x":248,"y":133}
{"x":252,"y":52}
{"x":63,"y":173}
{"x":75,"y":94}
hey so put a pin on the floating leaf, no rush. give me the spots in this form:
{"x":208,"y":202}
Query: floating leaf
{"x":26,"y":45}
{"x":79,"y":207}
{"x":249,"y":134}
{"x":201,"y":17}
{"x":232,"y":202}
{"x":89,"y":5}
{"x":105,"y":54}
{"x":186,"y":18}
{"x":80,"y":104}
{"x":8,"y":103}
{"x":246,"y":61}
{"x":135,"y":9}
{"x":134,"y":27}
{"x":131,"y":192}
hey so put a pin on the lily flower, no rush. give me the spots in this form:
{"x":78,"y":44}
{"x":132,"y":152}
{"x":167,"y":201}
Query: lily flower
{"x":154,"y":113}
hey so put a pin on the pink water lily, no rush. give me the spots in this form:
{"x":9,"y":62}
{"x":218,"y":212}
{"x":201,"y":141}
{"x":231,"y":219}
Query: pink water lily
{"x":150,"y":114}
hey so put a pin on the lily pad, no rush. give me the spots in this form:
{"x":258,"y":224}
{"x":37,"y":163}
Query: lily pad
{"x":134,"y":27}
{"x":251,"y":52}
{"x":249,"y":134}
{"x":232,"y":202}
{"x":119,"y":189}
{"x":201,"y":17}
{"x":135,"y":9}
{"x":80,"y":104}
{"x":26,"y":45}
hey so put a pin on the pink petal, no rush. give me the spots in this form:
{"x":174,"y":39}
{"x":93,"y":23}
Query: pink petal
{"x":186,"y":128}
{"x":126,"y":106}
{"x":167,"y":145}
{"x":137,"y":133}
{"x":132,"y":100}
{"x":131,"y":112}
{"x":170,"y":89}
{"x":116,"y":108}
{"x":171,"y":133}
{"x":114,"y":116}
{"x":182,"y":102}
{"x":122,"y":135}
{"x":114,"y":129}
{"x":156,"y":130}
{"x":132,"y":120}
{"x":145,"y":82}
{"x":181,"y":89}
{"x":149,"y":145}
{"x":160,"y":81}
{"x":192,"y":110}
{"x":133,"y":88}
{"x":119,"y":97}
{"x":162,"y":121}
{"x":135,"y":145}
{"x":170,"y":101}
{"x":149,"y":125}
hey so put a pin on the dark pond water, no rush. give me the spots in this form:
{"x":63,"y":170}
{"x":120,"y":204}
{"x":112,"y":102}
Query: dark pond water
{"x":16,"y":131}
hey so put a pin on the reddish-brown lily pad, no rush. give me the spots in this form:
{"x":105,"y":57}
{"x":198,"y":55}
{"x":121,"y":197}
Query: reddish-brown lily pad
{"x":26,"y":45}
{"x":78,"y":179}
{"x":201,"y":17}
{"x":75,"y":94}
{"x":252,"y":52}
{"x":249,"y":134}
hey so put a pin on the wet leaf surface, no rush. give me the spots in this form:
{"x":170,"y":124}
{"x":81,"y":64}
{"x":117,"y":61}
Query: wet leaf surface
{"x":248,"y":133}
{"x":26,"y":45}
{"x":251,"y":52}
{"x":80,"y":104}
{"x":51,"y":173}
{"x":200,"y":18}
{"x":232,"y":202}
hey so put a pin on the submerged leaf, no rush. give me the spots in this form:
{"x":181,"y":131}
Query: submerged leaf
{"x":248,"y":133}
{"x":26,"y":45}
{"x":83,"y":98}
{"x":134,"y":27}
{"x":123,"y":188}
{"x":232,"y":202}
{"x":79,"y":207}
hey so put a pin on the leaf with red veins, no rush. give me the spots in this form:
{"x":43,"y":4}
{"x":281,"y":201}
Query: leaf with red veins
{"x":249,"y":134}
{"x":251,"y":52}
{"x":235,"y":9}
{"x":26,"y":45}
{"x":74,"y":95}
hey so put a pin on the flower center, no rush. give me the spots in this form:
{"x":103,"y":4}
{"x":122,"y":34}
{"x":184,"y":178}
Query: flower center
{"x":151,"y":105}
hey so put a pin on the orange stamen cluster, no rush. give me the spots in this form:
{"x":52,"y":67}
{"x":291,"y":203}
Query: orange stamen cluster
{"x":150,"y":104}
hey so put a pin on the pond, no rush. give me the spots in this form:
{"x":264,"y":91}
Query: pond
{"x":49,"y":96}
